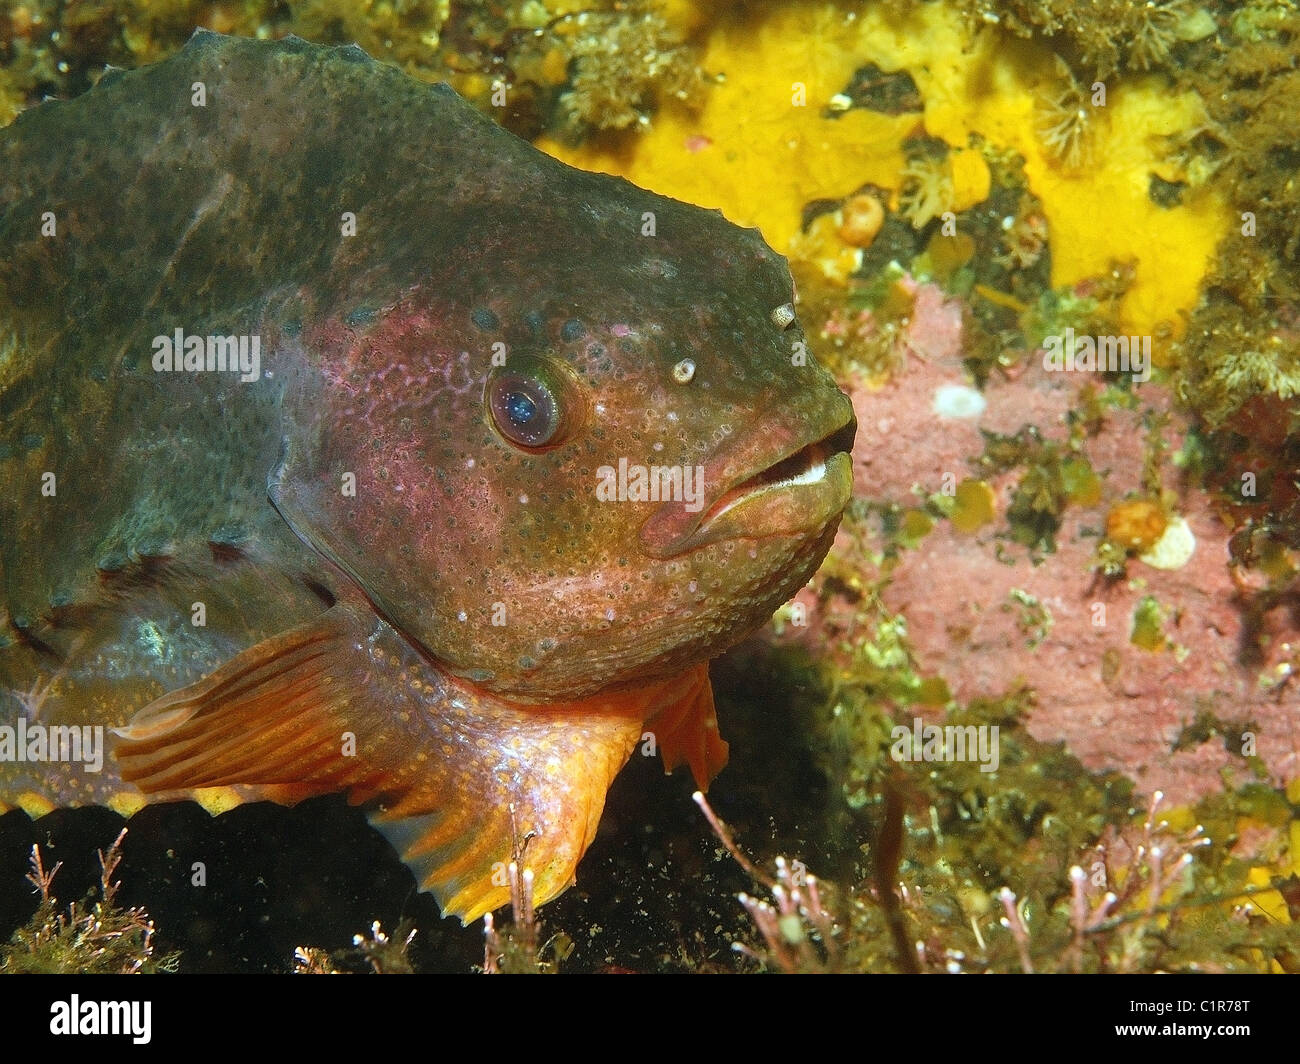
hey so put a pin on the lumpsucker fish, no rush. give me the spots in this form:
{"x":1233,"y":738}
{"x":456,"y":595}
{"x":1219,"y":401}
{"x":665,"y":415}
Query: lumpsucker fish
{"x":348,"y":443}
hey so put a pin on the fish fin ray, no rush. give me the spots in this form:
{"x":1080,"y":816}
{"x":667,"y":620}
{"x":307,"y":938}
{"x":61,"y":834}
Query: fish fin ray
{"x":271,"y":717}
{"x":535,"y":798}
{"x":459,"y":780}
{"x":686,"y":729}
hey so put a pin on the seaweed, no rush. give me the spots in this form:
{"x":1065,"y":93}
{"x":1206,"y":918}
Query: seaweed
{"x":622,"y":63}
{"x":380,"y":954}
{"x":575,"y":73}
{"x":517,"y":948}
{"x":1239,"y":360}
{"x":1107,"y":35}
{"x":1054,"y":477}
{"x":606,"y":67}
{"x":89,"y":938}
{"x":1038,"y":866}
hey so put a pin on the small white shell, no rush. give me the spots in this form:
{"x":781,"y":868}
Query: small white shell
{"x":1174,"y":548}
{"x":684,"y":371}
{"x":783,"y":316}
{"x":958,"y":401}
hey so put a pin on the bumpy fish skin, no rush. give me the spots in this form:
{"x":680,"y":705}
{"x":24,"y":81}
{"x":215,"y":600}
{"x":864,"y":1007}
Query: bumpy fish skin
{"x":374,"y":559}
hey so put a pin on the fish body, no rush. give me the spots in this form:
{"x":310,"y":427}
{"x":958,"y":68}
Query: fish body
{"x":319,"y":395}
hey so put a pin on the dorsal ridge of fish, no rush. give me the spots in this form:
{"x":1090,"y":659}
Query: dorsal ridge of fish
{"x":201,"y":36}
{"x":202,"y":39}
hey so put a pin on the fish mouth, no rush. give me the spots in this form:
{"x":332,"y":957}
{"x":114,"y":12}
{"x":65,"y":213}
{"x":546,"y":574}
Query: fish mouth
{"x":796,"y":490}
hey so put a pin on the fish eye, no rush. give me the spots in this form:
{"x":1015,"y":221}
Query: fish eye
{"x":524,"y":409}
{"x":529,"y":403}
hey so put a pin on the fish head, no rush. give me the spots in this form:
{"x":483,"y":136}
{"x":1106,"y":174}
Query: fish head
{"x":582,"y":456}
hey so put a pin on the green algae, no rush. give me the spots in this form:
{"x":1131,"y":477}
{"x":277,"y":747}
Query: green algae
{"x":1033,"y":618}
{"x":946,"y":851}
{"x":1238,"y":370}
{"x":1148,"y":627}
{"x":607,"y":66}
{"x":972,"y":505}
{"x":1042,"y":493}
{"x":1249,"y":362}
{"x":940,"y":853}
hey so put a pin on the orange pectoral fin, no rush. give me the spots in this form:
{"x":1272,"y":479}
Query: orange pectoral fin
{"x":527,"y":784}
{"x":273,"y":717}
{"x":686,"y":729}
{"x":459,"y":781}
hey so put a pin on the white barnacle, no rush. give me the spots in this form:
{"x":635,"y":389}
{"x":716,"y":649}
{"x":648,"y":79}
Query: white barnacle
{"x":958,"y":401}
{"x":1174,"y":548}
{"x":783,"y":316}
{"x":684,"y":371}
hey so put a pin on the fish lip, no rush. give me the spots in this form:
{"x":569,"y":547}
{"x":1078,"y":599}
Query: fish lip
{"x":820,"y":457}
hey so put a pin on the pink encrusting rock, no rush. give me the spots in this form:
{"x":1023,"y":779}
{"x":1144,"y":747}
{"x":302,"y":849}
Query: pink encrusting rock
{"x":987,"y":617}
{"x":1114,"y":704}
